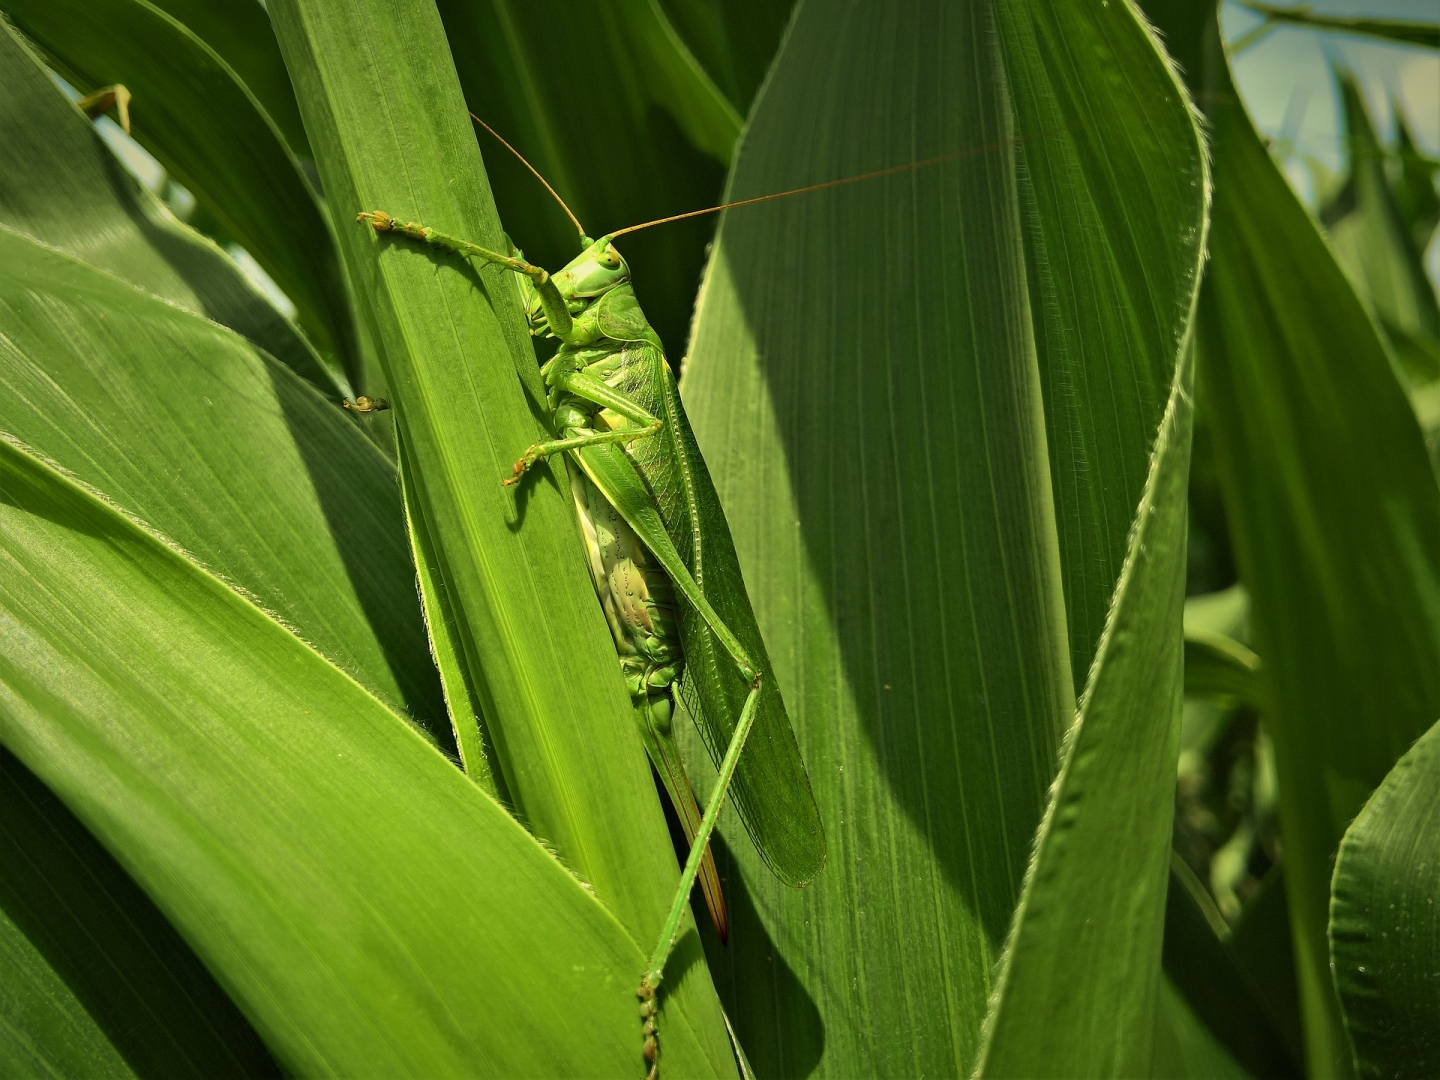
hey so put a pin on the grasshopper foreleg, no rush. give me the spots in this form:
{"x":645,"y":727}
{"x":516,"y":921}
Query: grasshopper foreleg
{"x":597,"y":392}
{"x":540,"y":451}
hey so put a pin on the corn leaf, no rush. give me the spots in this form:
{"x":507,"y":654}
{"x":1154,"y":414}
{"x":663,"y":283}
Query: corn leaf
{"x":61,"y":185}
{"x":266,"y":801}
{"x":190,"y":429}
{"x":383,"y":108}
{"x":1384,"y":926}
{"x":1406,"y":31}
{"x":239,"y":33}
{"x":206,"y":128}
{"x":93,"y":981}
{"x":1373,"y":243}
{"x":885,"y":443}
{"x":735,"y":40}
{"x":1333,"y":507}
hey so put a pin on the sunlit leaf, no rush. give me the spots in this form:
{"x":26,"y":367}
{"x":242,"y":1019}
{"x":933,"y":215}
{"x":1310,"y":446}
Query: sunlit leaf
{"x":60,"y":184}
{"x":192,"y":430}
{"x":467,"y":397}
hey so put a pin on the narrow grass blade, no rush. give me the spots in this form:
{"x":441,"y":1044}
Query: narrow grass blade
{"x":202,"y":124}
{"x":1384,"y":922}
{"x":60,"y":184}
{"x":267,"y":803}
{"x":189,"y":428}
{"x":1414,"y":190}
{"x":383,"y":108}
{"x":1372,"y":242}
{"x":93,"y":981}
{"x":1407,"y":31}
{"x":1219,"y":666}
{"x":1334,"y":510}
{"x":1215,"y":976}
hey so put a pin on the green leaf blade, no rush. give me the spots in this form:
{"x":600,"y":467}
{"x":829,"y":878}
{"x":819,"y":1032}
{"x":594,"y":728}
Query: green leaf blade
{"x":383,"y":108}
{"x":893,"y":488}
{"x":209,"y":131}
{"x":1335,"y":517}
{"x":190,"y":429}
{"x":1080,"y":985}
{"x":61,"y":185}
{"x":180,"y":704}
{"x":1384,"y":926}
{"x":94,"y":981}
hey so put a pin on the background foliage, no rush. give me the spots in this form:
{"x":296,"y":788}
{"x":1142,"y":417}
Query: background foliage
{"x":314,"y":754}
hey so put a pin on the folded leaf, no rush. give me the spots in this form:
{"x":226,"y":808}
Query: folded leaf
{"x":370,"y":909}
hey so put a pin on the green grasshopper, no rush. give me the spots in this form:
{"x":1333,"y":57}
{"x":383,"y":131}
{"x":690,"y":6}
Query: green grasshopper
{"x":664,"y":565}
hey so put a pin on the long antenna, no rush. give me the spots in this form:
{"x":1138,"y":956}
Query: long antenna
{"x":535,"y":172}
{"x":891,"y":171}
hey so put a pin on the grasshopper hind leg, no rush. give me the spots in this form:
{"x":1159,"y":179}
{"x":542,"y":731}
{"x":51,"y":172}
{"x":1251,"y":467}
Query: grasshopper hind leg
{"x":700,"y":847}
{"x":655,"y":714}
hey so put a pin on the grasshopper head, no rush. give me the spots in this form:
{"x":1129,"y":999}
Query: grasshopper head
{"x":592,"y":273}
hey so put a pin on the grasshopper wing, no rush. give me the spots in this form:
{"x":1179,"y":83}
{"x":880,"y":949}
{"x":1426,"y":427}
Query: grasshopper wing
{"x":771,"y":787}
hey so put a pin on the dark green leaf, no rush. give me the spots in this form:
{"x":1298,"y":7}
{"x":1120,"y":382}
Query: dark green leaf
{"x":1220,"y":666}
{"x":735,"y":40}
{"x":239,"y":32}
{"x":1415,"y":194}
{"x":190,"y":111}
{"x":93,"y":981}
{"x":1184,"y":1048}
{"x":1385,"y":921}
{"x":1373,"y":243}
{"x":1217,"y":980}
{"x":1333,"y":507}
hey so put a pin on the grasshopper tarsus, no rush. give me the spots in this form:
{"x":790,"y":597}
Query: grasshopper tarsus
{"x":363,"y":404}
{"x":649,"y":1008}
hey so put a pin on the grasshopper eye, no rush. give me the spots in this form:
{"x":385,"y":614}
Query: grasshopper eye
{"x":609,"y":257}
